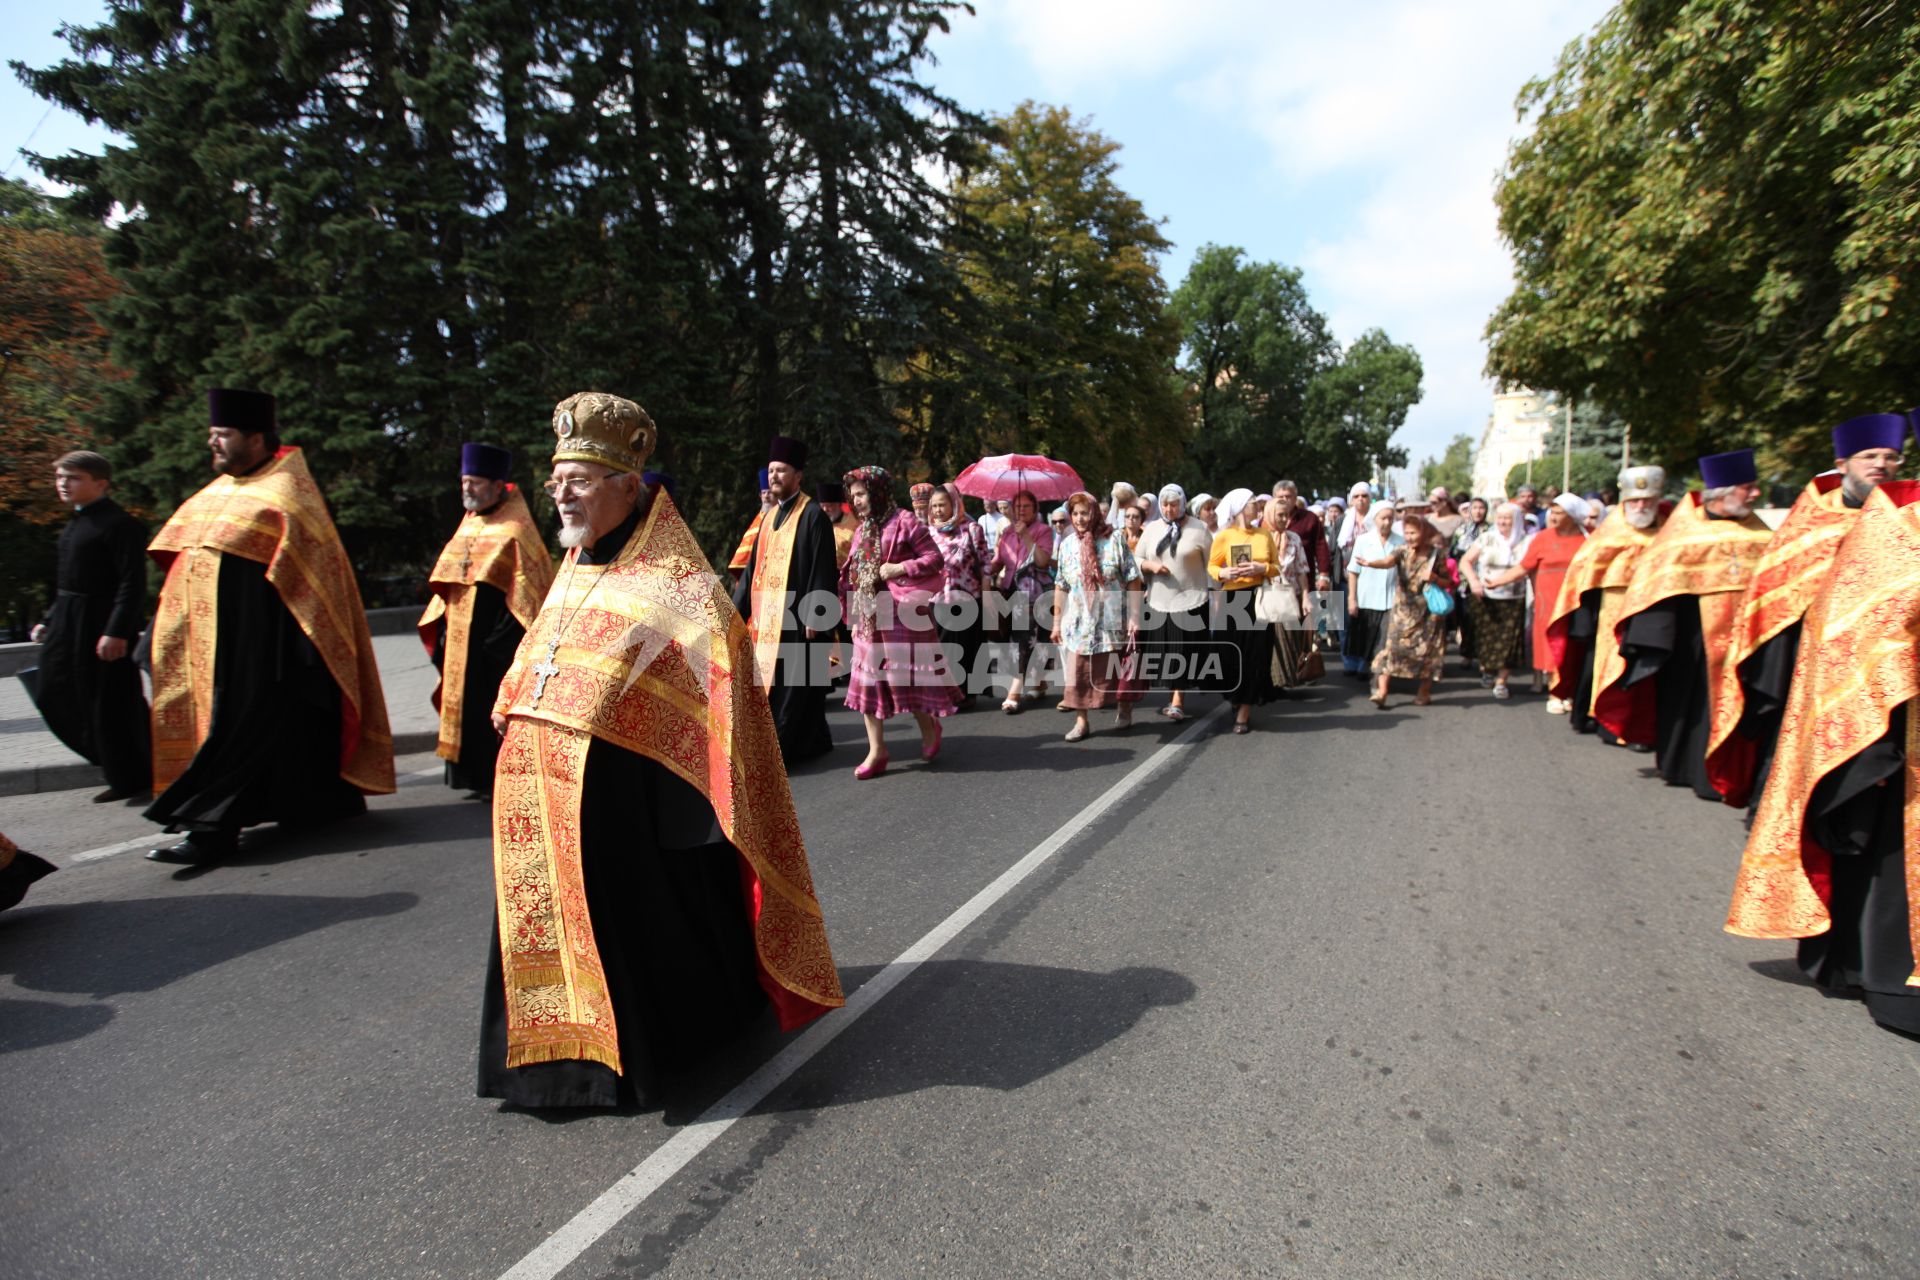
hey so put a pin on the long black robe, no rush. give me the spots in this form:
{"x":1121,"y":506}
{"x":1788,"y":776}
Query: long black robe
{"x":799,"y":704}
{"x":1584,"y":627}
{"x":272,"y":752}
{"x":1858,"y":814}
{"x":492,"y":639}
{"x":1766,"y":677}
{"x":18,"y":876}
{"x":99,"y":708}
{"x":1663,"y":643}
{"x":670,"y":922}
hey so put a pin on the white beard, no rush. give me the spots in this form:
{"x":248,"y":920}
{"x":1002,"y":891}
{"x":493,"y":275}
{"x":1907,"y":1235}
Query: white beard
{"x":469,"y":502}
{"x":1642,"y":519}
{"x":573,"y":535}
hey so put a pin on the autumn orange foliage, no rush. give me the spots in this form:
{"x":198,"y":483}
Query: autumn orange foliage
{"x":54,"y":362}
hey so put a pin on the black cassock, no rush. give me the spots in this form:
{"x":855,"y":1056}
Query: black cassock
{"x":1766,"y":678}
{"x":799,"y":705}
{"x":1858,"y":814}
{"x":492,"y":638}
{"x":272,"y":752}
{"x":98,"y":708}
{"x":669,"y":921}
{"x":1664,"y":644}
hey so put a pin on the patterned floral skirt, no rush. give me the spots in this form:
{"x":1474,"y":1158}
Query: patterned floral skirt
{"x":1416,"y":645}
{"x":1499,"y":633}
{"x":899,"y":670}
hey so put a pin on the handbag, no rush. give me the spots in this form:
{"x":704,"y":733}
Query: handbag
{"x":1312,"y":667}
{"x":1277,"y":603}
{"x":1439,"y":599}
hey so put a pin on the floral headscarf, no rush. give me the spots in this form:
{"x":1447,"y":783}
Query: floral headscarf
{"x":1090,"y":575}
{"x":865,"y":566}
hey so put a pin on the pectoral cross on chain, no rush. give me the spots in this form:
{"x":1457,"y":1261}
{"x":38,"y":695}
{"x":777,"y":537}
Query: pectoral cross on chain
{"x":544,"y":669}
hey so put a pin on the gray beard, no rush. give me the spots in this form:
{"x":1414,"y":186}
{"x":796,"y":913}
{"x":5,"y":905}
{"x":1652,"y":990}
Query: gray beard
{"x":573,"y":535}
{"x":1857,"y":490}
{"x":1642,"y":519}
{"x":469,"y":502}
{"x":1731,"y":510}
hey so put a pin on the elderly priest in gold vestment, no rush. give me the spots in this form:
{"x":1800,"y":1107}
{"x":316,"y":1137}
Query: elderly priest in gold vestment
{"x":487,"y":586}
{"x":652,"y":893}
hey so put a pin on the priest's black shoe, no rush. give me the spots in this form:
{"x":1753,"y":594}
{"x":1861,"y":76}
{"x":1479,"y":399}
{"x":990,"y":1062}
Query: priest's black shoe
{"x":114,"y":793}
{"x":197,"y":849}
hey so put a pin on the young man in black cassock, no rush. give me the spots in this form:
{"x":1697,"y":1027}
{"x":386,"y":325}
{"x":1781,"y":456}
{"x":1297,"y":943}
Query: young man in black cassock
{"x":88,"y":688}
{"x":792,"y":564}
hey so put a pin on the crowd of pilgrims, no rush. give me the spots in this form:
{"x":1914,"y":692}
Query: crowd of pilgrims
{"x":1734,"y":652}
{"x":1100,"y":600}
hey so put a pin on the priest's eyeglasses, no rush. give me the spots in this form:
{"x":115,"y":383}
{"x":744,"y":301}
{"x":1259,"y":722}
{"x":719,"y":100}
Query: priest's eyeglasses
{"x":571,"y":485}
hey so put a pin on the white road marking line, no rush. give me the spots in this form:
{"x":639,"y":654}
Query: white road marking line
{"x":554,"y":1254}
{"x":157,"y":837}
{"x":125,"y":846}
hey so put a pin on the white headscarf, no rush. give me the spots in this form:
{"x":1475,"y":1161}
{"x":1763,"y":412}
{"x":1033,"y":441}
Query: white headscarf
{"x":1519,"y":535}
{"x":1574,"y":505}
{"x":1115,"y":503}
{"x":1231,"y":505}
{"x":1170,"y":539}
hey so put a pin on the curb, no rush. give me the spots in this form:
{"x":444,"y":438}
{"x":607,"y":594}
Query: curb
{"x":34,"y":779}
{"x":395,"y":621}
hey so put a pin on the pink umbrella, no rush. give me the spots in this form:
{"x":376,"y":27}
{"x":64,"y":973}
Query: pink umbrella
{"x":1003,"y":475}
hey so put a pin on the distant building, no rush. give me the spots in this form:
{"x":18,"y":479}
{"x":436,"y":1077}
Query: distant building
{"x":1516,"y":431}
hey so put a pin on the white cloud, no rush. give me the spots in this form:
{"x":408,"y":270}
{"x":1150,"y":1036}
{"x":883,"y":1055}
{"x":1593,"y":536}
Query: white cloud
{"x":1075,"y":44}
{"x":1408,"y":103}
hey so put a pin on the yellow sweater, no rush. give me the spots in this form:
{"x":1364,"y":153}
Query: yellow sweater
{"x":1229,"y":538}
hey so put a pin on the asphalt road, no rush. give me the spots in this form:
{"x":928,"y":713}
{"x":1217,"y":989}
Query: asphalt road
{"x":1437,"y":991}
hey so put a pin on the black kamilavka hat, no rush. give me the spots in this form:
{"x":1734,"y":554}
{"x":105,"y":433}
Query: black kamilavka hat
{"x":241,"y":410}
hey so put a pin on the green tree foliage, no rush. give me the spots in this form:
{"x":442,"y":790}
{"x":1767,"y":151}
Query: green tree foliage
{"x":1254,"y":346}
{"x":1271,"y":393}
{"x":1712,"y":222}
{"x":1452,"y":470}
{"x":1353,"y":410}
{"x":1069,"y":345}
{"x":1593,"y":471}
{"x":1595,"y":428}
{"x":420,"y":222}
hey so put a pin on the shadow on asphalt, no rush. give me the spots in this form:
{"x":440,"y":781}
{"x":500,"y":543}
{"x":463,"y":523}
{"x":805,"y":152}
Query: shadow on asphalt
{"x":383,"y":830}
{"x":33,"y":1024}
{"x":1781,"y":969}
{"x":975,"y":1024}
{"x":111,"y":947}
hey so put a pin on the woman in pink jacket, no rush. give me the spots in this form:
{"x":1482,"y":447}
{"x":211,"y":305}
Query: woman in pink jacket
{"x":887,"y":587}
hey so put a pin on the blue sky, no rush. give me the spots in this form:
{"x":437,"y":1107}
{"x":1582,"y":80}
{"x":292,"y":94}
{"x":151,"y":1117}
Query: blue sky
{"x":1359,"y":141}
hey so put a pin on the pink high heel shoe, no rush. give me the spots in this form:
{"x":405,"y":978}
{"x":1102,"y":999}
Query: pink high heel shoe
{"x":931,"y":749}
{"x":874,"y":770}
